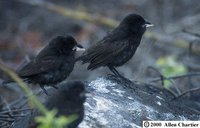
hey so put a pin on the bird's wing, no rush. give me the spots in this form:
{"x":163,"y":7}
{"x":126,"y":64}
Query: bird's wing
{"x":103,"y":53}
{"x":39,"y":66}
{"x":48,"y":51}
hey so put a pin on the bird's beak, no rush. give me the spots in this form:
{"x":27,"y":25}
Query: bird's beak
{"x":148,"y":24}
{"x":84,"y":95}
{"x":87,"y":93}
{"x":79,"y":47}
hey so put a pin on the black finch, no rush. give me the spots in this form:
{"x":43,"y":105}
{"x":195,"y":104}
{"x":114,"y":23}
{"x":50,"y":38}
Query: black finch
{"x":118,"y":46}
{"x":53,"y":64}
{"x":67,"y":100}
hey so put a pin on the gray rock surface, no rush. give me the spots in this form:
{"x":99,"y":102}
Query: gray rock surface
{"x":116,"y":104}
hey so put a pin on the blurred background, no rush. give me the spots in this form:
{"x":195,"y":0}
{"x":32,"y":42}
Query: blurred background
{"x":170,"y":48}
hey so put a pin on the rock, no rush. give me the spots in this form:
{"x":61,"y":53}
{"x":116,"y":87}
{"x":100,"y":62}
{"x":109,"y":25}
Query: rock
{"x":115,"y":104}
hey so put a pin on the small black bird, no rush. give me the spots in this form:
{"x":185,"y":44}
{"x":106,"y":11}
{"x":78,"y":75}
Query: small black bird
{"x":118,"y":46}
{"x":68,"y":100}
{"x":53,"y":64}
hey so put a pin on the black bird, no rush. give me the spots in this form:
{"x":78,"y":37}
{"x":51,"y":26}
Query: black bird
{"x":53,"y":64}
{"x":68,"y":100}
{"x":118,"y":46}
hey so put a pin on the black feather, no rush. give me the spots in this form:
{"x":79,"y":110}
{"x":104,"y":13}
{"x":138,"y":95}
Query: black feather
{"x":118,"y":46}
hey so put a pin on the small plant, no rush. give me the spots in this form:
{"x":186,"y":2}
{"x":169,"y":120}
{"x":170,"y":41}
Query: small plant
{"x":49,"y":120}
{"x":169,"y":66}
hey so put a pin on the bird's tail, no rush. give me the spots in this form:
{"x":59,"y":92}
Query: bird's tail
{"x":86,"y":59}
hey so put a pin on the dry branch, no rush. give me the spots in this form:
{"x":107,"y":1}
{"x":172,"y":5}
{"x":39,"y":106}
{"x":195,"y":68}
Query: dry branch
{"x":33,"y":100}
{"x":79,"y":15}
{"x":99,"y":19}
{"x":191,"y":74}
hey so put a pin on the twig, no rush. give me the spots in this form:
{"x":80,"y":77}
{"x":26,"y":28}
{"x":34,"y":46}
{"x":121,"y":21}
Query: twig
{"x":189,"y":58}
{"x":7,"y":119}
{"x":33,"y":100}
{"x":191,"y":33}
{"x":162,"y":78}
{"x":4,"y":125}
{"x":79,"y":15}
{"x":25,"y":100}
{"x":96,"y":18}
{"x":19,"y":110}
{"x":7,"y":106}
{"x":188,"y":91}
{"x":191,"y":74}
{"x":160,"y":74}
{"x":13,"y":116}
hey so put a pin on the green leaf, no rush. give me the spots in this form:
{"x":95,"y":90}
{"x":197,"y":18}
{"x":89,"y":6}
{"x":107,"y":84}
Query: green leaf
{"x":169,"y":66}
{"x":49,"y":120}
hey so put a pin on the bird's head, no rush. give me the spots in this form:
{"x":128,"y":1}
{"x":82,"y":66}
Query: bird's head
{"x":65,"y":44}
{"x":135,"y":23}
{"x":73,"y":92}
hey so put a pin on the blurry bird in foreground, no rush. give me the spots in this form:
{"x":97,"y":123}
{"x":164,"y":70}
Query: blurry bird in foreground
{"x":68,"y":100}
{"x":53,"y":64}
{"x":118,"y":46}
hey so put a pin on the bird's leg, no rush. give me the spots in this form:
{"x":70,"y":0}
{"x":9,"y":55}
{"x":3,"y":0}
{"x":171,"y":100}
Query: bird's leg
{"x":54,"y":86}
{"x":44,"y":90}
{"x":112,"y":69}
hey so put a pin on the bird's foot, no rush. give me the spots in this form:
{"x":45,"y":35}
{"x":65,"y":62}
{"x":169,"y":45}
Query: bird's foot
{"x":120,"y":79}
{"x":124,"y":80}
{"x":54,"y":86}
{"x":111,"y":75}
{"x":118,"y":75}
{"x":44,"y":90}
